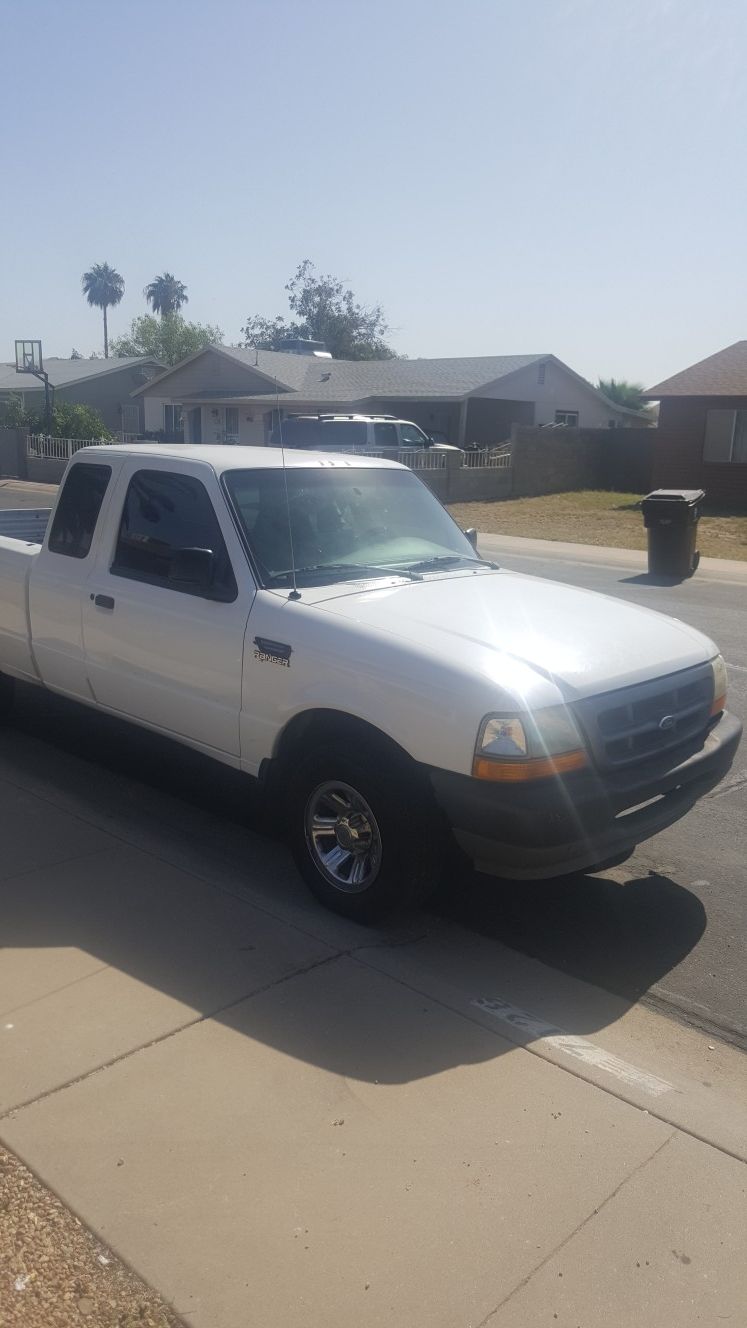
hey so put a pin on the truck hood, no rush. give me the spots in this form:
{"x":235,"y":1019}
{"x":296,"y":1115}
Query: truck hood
{"x":490,"y":622}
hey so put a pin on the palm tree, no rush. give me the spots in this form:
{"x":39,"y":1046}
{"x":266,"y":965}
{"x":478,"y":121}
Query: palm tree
{"x":165,"y":294}
{"x":623,"y":392}
{"x":103,"y":286}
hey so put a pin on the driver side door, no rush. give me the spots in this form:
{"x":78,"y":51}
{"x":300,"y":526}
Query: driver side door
{"x":158,"y":651}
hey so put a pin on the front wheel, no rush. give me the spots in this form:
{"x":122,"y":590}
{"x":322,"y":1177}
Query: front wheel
{"x":7,"y":689}
{"x":363,"y":833}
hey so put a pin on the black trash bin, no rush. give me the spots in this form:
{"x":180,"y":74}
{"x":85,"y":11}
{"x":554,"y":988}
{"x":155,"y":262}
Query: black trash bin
{"x":671,"y":518}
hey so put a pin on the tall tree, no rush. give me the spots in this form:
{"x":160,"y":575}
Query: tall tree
{"x":624,"y":393}
{"x":325,"y":311}
{"x":169,"y":338}
{"x":165,"y":294}
{"x":103,"y":287}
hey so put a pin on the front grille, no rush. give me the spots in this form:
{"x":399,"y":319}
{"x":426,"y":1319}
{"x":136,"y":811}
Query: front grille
{"x":626,"y":726}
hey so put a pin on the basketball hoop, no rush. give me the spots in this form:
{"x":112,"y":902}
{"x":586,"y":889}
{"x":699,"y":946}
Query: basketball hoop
{"x":29,"y":357}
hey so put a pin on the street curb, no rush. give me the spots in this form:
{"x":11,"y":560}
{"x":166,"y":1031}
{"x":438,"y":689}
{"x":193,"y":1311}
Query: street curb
{"x":560,"y":551}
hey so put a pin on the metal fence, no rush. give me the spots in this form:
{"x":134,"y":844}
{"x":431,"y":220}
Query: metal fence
{"x":487,"y":460}
{"x":416,"y":458}
{"x":59,"y":449}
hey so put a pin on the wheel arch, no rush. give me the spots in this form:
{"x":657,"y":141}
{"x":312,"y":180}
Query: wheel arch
{"x":326,"y":725}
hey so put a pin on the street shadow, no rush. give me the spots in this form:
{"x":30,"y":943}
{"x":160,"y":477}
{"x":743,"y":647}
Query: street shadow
{"x":217,"y":914}
{"x":622,"y":937}
{"x":650,"y":579}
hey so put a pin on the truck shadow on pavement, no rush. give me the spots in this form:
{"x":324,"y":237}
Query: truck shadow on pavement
{"x":192,"y":899}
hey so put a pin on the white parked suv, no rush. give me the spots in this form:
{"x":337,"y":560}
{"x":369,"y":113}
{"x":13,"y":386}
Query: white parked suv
{"x":357,"y":433}
{"x":327,"y":628}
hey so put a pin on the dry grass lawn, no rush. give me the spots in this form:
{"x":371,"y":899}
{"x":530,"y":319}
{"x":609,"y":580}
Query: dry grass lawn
{"x":595,"y":517}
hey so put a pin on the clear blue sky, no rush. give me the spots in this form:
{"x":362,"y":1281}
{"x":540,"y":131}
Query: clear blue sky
{"x":504,"y":176}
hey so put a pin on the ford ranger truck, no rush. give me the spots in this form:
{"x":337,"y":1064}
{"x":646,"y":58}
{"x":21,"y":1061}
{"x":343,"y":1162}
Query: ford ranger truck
{"x":324,"y":626}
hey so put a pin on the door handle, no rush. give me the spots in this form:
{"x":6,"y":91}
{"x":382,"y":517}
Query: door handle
{"x":103,"y":601}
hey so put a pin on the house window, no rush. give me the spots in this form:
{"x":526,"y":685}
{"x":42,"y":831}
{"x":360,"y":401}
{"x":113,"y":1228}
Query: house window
{"x":173,"y":422}
{"x":232,"y":424}
{"x":540,"y":374}
{"x":726,"y":436}
{"x":568,"y":418}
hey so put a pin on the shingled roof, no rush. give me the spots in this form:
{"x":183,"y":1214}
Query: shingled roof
{"x":320,"y":379}
{"x":64,"y":373}
{"x":721,"y":375}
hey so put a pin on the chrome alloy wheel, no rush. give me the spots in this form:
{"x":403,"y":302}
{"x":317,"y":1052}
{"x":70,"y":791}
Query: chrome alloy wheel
{"x":342,"y":837}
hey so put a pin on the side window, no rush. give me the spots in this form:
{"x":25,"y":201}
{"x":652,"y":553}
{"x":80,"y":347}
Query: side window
{"x":78,"y":510}
{"x":344,"y":433}
{"x":385,"y":435}
{"x":163,"y":514}
{"x":412,"y":436}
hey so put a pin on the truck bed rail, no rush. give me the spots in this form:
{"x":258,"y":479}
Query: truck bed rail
{"x":25,"y":523}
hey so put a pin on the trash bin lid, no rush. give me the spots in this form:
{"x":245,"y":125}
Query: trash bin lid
{"x":689,"y":496}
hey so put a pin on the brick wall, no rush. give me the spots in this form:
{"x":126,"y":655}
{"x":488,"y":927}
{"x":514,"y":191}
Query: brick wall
{"x":560,"y":460}
{"x":678,"y":456}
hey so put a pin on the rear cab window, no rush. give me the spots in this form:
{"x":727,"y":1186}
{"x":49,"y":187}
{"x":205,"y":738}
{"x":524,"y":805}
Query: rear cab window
{"x":78,"y":510}
{"x":165,"y":513}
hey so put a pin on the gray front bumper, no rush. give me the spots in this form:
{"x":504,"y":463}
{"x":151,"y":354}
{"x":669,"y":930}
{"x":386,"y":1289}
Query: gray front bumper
{"x":581,"y":821}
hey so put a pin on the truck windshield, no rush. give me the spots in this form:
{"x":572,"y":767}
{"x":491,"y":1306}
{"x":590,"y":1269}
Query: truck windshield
{"x":346,"y":522}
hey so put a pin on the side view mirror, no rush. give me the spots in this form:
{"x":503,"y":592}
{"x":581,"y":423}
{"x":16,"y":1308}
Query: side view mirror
{"x":472,"y":537}
{"x":192,"y":569}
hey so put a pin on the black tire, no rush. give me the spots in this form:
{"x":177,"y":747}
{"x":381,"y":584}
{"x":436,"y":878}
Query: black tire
{"x":7,"y":691}
{"x":406,"y":869}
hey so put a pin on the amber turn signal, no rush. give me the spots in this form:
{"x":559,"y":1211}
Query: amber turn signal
{"x":518,"y":772}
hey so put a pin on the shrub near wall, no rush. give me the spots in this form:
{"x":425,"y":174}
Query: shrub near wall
{"x":563,"y":460}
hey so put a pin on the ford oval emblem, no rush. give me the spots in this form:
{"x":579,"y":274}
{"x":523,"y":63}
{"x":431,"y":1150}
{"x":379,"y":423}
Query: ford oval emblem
{"x":666,"y":723}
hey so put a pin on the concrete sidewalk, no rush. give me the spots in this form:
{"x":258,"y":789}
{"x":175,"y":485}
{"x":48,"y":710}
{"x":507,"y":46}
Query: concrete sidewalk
{"x":278,"y":1118}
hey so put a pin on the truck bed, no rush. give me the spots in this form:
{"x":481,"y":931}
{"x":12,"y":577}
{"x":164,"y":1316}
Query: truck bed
{"x":24,"y":523}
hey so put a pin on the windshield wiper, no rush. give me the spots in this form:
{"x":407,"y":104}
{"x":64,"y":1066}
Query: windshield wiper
{"x":334,"y":568}
{"x":449,"y":560}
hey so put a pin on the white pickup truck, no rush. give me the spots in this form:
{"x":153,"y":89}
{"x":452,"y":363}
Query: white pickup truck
{"x":327,"y":628}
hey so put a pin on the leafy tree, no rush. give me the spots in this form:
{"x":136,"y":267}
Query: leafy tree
{"x":166,"y":295}
{"x":324,"y":311}
{"x":103,"y":287}
{"x":70,"y":419}
{"x":624,"y":393}
{"x":14,"y":415}
{"x":75,"y":354}
{"x":168,"y":338}
{"x":73,"y":419}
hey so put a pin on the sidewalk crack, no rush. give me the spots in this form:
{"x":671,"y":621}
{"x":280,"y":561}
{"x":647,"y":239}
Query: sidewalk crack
{"x":583,"y":1223}
{"x":173,"y":1032}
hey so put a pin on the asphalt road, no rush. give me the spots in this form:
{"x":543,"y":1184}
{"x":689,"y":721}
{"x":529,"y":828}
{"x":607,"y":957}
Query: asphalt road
{"x":670,"y":926}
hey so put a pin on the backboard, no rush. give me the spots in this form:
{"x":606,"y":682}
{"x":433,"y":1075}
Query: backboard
{"x":29,"y":357}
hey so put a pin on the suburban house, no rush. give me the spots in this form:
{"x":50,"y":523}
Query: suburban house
{"x":105,"y":385}
{"x":701,"y":441}
{"x":233,"y":395}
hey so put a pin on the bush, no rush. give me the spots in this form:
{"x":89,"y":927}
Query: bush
{"x":70,"y":419}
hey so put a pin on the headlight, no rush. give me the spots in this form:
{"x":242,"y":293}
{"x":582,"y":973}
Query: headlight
{"x":522,"y":747}
{"x":720,"y":681}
